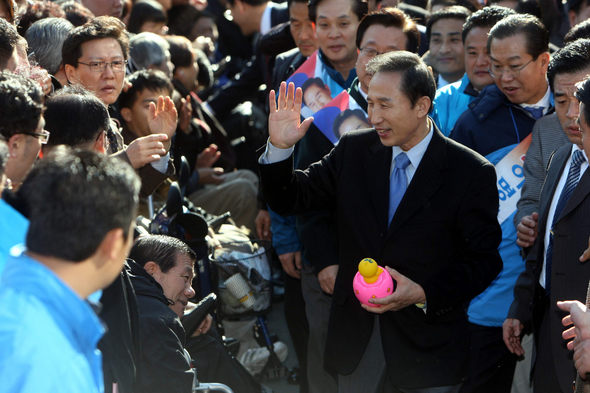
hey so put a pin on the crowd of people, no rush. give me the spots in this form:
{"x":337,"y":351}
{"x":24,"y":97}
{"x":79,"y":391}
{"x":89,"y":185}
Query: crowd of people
{"x":446,"y":139}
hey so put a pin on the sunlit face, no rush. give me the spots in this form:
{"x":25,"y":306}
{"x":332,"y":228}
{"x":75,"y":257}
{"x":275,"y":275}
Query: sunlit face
{"x":177,"y":282}
{"x":520,"y":77}
{"x":106,"y":85}
{"x":316,"y":97}
{"x":187,"y":76}
{"x":105,"y":7}
{"x":376,"y":40}
{"x":446,"y":48}
{"x":397,"y":122}
{"x":302,"y":29}
{"x":136,"y":117}
{"x":477,"y":60}
{"x":336,"y":26}
{"x":350,"y":124}
{"x":567,"y":105}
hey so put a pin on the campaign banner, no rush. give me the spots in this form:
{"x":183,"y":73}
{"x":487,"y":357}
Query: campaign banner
{"x":510,"y":178}
{"x":339,"y":116}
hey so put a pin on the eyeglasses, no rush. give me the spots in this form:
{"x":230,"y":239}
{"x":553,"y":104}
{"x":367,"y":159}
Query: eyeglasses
{"x":370,"y":52}
{"x":497,"y":71}
{"x":42,"y":135}
{"x":100,"y":66}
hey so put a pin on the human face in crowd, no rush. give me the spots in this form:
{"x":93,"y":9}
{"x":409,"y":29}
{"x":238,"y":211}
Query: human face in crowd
{"x":302,"y":29}
{"x":316,"y":97}
{"x":336,"y":25}
{"x":23,"y":151}
{"x":105,"y":7}
{"x":187,"y":76}
{"x":106,"y":85}
{"x":477,"y":59}
{"x":177,"y":282}
{"x":136,"y":117}
{"x":205,"y":27}
{"x":377,"y":39}
{"x":396,"y":121}
{"x":154,"y":27}
{"x":446,"y":48}
{"x":567,"y":105}
{"x":520,"y":77}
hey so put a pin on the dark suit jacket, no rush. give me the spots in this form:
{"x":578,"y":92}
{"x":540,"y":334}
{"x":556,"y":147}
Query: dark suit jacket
{"x":569,"y":277}
{"x":354,"y":92}
{"x":444,"y":236}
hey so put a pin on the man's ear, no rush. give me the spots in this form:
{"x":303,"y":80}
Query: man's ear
{"x":126,"y":114}
{"x":15,"y":144}
{"x":99,"y":143}
{"x":423,"y":106}
{"x":151,"y":267}
{"x":545,"y":57}
{"x":71,"y":73}
{"x":112,"y":245}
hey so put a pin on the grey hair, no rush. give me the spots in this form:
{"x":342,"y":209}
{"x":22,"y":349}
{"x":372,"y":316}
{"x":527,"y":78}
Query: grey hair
{"x":45,"y":38}
{"x":147,"y":49}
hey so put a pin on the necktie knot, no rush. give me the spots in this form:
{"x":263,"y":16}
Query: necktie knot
{"x":577,"y":158}
{"x":535,"y":111}
{"x":402,"y":161}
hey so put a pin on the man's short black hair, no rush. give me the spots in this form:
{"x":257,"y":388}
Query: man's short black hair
{"x":583,"y":95}
{"x":581,"y":30}
{"x":455,"y":12}
{"x":180,"y":53}
{"x":391,"y":17}
{"x":359,"y":8}
{"x":36,"y":11}
{"x":181,"y":20}
{"x":250,"y":2}
{"x":530,"y":7}
{"x":534,"y":31}
{"x":21,"y":104}
{"x":311,"y":82}
{"x":161,"y":249}
{"x":145,"y":11}
{"x":416,"y":80}
{"x":8,"y":40}
{"x":97,"y":28}
{"x":74,"y":199}
{"x":572,"y":58}
{"x":152,"y":80}
{"x":450,"y":3}
{"x":487,"y":17}
{"x":75,"y":117}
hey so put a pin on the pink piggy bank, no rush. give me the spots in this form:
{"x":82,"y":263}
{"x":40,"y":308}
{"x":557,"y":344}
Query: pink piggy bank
{"x":372,"y":281}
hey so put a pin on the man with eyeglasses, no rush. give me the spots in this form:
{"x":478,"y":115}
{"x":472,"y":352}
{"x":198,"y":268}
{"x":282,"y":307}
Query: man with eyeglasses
{"x":95,"y":57}
{"x":388,"y":29}
{"x":496,"y":125}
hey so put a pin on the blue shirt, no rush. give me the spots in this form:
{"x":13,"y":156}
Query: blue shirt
{"x":450,"y":102}
{"x":13,"y":230}
{"x":48,"y":334}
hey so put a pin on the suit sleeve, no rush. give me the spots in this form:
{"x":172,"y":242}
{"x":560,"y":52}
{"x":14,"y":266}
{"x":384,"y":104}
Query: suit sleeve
{"x":524,"y":293}
{"x":477,"y":259}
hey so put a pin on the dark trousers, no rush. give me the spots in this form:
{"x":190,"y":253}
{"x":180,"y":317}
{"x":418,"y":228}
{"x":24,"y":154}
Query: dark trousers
{"x":297,"y":325}
{"x":544,"y":376}
{"x":491,"y":365}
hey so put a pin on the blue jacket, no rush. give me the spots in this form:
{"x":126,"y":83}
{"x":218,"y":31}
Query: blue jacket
{"x":450,"y":102}
{"x":13,"y":230}
{"x":492,"y":122}
{"x":48,"y":334}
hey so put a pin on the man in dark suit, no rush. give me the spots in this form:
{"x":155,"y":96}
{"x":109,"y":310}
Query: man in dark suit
{"x":440,"y":244}
{"x":553,"y":271}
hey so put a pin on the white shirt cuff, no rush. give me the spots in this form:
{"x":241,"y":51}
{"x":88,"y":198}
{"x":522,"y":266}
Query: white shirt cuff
{"x":162,"y":164}
{"x":274,"y":154}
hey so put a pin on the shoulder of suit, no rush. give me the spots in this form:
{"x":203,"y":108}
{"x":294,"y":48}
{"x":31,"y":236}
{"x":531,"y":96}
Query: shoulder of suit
{"x":287,"y":56}
{"x":461,"y":154}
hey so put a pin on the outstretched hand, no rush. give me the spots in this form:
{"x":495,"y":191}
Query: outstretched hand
{"x":284,"y":122}
{"x":163,"y":118}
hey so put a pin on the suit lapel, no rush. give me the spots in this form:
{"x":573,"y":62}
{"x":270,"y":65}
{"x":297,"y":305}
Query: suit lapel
{"x":379,"y":166}
{"x":578,"y":195}
{"x":424,"y":184}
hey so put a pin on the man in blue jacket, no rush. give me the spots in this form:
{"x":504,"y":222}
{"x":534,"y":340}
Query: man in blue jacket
{"x":495,"y":125}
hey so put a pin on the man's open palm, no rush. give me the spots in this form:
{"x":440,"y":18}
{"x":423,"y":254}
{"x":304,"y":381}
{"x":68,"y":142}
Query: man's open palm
{"x":284,"y":122}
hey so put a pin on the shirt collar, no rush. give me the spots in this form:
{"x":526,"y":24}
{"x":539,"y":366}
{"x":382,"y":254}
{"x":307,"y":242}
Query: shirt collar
{"x":416,"y":153}
{"x":544,"y":102}
{"x":335,"y":75}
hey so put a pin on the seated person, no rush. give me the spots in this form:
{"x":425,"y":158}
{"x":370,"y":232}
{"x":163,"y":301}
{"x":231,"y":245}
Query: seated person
{"x":162,"y":270}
